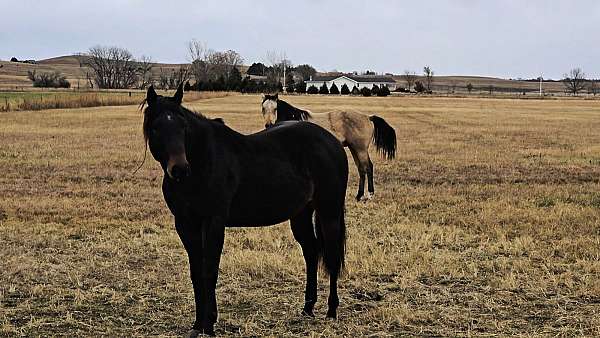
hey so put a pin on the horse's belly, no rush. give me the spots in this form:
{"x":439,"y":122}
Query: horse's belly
{"x":269,"y":203}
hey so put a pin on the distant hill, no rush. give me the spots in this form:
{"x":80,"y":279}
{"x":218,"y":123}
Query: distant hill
{"x":445,"y":84}
{"x":13,"y":75}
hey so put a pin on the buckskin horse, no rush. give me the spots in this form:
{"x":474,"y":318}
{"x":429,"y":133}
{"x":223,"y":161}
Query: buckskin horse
{"x":354,"y":130}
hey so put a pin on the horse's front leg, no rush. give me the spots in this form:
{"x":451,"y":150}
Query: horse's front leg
{"x":203,"y":242}
{"x":213,"y":230}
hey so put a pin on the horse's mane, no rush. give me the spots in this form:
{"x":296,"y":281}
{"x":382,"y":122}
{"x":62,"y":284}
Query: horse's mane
{"x":291,"y":112}
{"x":175,"y":108}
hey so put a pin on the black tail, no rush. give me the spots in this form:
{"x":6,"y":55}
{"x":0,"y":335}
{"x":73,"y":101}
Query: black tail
{"x":332,"y":247}
{"x":384,"y":137}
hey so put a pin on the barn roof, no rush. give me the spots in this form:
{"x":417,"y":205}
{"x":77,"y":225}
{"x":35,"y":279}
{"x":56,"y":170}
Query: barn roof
{"x":357,"y":78}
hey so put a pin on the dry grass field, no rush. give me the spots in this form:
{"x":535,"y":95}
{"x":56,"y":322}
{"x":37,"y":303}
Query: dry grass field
{"x":57,"y":99}
{"x":487,"y":223}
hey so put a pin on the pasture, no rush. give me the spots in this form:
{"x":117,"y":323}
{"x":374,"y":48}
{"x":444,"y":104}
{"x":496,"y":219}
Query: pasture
{"x":487,"y":223}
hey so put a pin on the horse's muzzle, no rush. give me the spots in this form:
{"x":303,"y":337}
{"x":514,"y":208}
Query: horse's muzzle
{"x":180,"y":172}
{"x":178,"y":167}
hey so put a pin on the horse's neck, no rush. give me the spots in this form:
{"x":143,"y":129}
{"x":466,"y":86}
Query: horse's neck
{"x":216,"y":135}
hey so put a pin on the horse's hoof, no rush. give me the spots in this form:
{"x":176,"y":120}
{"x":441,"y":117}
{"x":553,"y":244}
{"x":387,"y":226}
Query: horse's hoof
{"x":308,"y":313}
{"x":363,"y":198}
{"x":331,"y":314}
{"x":193,"y":333}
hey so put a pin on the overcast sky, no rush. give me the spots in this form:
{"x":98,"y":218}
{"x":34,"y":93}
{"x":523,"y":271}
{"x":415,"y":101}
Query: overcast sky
{"x":505,"y":38}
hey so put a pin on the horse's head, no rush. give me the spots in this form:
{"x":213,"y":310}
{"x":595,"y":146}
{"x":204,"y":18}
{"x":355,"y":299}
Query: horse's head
{"x":269,"y":109}
{"x":165,"y":132}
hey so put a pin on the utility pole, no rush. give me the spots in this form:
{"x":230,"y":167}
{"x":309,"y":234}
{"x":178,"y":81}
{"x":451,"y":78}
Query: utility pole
{"x":284,"y":61}
{"x":541,"y":82}
{"x":284,"y":75}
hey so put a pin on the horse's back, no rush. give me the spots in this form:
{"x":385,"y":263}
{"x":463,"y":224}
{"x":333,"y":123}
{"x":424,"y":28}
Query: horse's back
{"x":313,"y":145}
{"x":321,"y":153}
{"x":347,"y":126}
{"x":283,"y":169}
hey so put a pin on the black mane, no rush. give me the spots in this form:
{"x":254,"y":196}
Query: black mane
{"x":286,"y":112}
{"x":167,"y":104}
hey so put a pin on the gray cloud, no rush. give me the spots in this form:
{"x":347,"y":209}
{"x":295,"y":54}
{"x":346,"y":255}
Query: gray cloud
{"x":506,"y":38}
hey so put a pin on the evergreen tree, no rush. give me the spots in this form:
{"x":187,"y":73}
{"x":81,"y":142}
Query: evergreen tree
{"x":365,"y":91}
{"x":301,"y":87}
{"x":257,"y":69}
{"x":375,"y":90}
{"x":334,"y":89}
{"x":291,"y":86}
{"x":345,"y":90}
{"x":234,"y":80}
{"x":312,"y":90}
{"x":323,"y":89}
{"x":383,"y":91}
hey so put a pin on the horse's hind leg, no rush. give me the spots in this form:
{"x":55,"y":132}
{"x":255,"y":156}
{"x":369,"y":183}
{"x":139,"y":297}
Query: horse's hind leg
{"x":303,"y":230}
{"x":361,"y":165}
{"x":365,"y":169}
{"x":370,"y":178}
{"x":332,"y":230}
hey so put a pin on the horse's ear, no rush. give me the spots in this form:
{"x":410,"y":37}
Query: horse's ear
{"x":151,"y":96}
{"x":178,"y":97}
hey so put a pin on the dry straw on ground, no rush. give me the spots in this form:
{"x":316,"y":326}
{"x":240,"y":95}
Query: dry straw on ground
{"x":29,"y":100}
{"x":486,"y":224}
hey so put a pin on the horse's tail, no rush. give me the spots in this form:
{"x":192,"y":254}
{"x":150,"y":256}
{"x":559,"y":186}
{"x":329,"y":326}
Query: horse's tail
{"x":332,"y":244}
{"x":384,"y":137}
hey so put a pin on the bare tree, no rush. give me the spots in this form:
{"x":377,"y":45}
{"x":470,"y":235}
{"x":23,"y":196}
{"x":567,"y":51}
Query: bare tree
{"x":428,"y":74}
{"x":409,"y":77}
{"x":221,"y":63}
{"x":172,"y":79}
{"x":574,"y":81}
{"x":279,"y":63}
{"x":113,"y":67}
{"x":180,"y":75}
{"x":207,"y":64}
{"x":197,"y":56}
{"x":144,"y":69}
{"x":196,"y":50}
{"x":593,"y":88}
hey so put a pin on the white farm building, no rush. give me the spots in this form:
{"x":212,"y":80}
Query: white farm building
{"x":360,"y":81}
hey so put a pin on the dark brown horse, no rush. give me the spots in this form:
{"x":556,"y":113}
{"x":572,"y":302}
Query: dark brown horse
{"x":354,"y":130}
{"x":215,"y":177}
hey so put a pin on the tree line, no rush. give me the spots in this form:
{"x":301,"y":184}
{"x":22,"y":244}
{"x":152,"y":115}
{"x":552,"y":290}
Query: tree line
{"x":112,"y":67}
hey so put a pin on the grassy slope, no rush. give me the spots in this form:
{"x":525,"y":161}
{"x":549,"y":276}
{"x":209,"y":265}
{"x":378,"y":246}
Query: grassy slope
{"x":487,"y":223}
